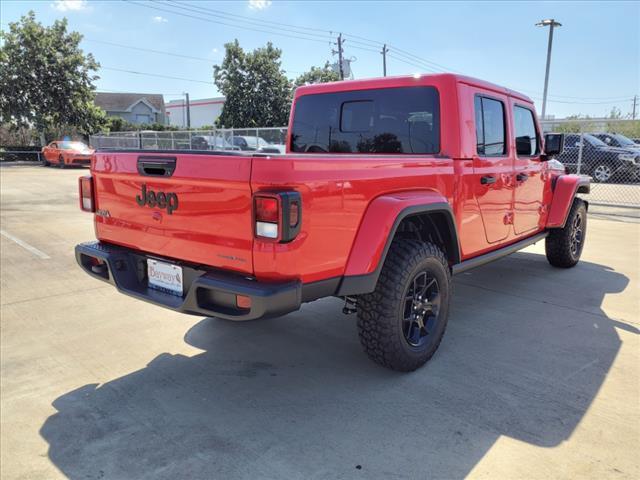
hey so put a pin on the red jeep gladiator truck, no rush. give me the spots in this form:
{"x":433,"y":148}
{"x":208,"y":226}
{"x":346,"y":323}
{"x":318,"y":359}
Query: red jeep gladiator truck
{"x":388,"y":188}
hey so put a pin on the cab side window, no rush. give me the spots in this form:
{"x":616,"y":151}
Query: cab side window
{"x":490,"y":127}
{"x":527,"y":140}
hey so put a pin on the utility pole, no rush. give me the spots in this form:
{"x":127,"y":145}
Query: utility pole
{"x":384,"y":59}
{"x":635,"y":102}
{"x":552,"y":24}
{"x":188,"y":108}
{"x":340,"y":53}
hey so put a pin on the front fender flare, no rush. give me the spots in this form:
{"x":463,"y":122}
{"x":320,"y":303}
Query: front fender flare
{"x":377,"y":229}
{"x":565,"y":189}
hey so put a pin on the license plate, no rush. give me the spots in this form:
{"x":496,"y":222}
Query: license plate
{"x":164,"y":276}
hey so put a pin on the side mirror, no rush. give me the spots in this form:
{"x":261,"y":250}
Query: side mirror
{"x":554,"y":144}
{"x":523,"y":145}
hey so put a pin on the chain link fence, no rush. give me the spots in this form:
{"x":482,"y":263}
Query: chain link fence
{"x":263,"y":140}
{"x":608,"y":150}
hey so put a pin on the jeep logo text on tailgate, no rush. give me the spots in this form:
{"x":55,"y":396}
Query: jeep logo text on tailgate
{"x":157,"y":199}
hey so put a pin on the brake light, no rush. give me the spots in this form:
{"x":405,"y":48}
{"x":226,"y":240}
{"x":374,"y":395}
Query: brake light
{"x":267,"y":217}
{"x":87,"y":203}
{"x":267,"y":209}
{"x":277,"y":215}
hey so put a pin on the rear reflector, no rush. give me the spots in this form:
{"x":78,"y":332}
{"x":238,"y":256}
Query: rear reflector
{"x":294,"y":213}
{"x":243,"y":301}
{"x":87,"y":203}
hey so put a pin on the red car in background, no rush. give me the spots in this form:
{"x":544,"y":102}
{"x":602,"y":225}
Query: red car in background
{"x":66,"y":152}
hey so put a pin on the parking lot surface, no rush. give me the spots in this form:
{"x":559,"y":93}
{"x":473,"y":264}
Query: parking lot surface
{"x":538,"y":375}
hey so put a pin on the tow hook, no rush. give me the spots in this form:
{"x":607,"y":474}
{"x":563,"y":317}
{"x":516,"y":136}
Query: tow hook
{"x":350,"y":305}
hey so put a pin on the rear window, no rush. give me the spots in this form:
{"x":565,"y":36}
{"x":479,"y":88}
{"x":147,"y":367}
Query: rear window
{"x":388,"y":120}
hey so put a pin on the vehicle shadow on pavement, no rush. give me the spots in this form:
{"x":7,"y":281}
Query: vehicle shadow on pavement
{"x":525,"y":354}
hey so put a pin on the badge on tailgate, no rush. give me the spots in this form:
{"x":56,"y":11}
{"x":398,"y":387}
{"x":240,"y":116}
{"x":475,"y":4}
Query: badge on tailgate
{"x":162,"y":200}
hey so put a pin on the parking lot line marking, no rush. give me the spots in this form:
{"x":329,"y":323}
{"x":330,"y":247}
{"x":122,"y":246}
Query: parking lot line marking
{"x":25,"y":245}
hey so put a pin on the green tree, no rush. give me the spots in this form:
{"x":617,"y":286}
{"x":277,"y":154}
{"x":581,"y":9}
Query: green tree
{"x":46,"y":80}
{"x":256,"y":90}
{"x":317,"y":75}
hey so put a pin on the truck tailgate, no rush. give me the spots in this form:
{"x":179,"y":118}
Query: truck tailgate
{"x":194,"y":207}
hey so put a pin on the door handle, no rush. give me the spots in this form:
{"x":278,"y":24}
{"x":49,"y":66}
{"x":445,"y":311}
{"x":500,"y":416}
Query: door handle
{"x":487,"y":180}
{"x":156,"y":166}
{"x":522,"y":177}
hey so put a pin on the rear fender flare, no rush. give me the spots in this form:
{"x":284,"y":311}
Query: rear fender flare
{"x":565,"y":189}
{"x":377,"y":230}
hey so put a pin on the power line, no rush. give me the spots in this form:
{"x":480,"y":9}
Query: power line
{"x":160,"y":75}
{"x":162,"y":52}
{"x":157,"y":75}
{"x":360,"y":43}
{"x":260,"y":23}
{"x":365,"y":44}
{"x":226,"y":24}
{"x":412,"y":56}
{"x":401,"y":55}
{"x":390,"y":55}
{"x":393,"y":54}
{"x":368,"y":44}
{"x":245,"y":19}
{"x":365,"y":49}
{"x":304,"y":33}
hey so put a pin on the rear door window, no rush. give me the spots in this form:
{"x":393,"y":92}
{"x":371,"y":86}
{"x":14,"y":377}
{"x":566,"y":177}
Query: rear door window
{"x":391,"y":120}
{"x":490,"y":127}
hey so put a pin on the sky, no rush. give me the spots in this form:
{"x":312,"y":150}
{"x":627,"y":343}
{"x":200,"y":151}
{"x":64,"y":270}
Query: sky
{"x":595,"y":62}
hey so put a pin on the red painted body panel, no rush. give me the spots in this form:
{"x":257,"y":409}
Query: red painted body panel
{"x":212,"y":224}
{"x":565,"y":190}
{"x":336,"y":190}
{"x":377,"y":224}
{"x":349,"y":201}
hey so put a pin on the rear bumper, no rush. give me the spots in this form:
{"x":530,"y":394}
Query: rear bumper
{"x":206,"y":292}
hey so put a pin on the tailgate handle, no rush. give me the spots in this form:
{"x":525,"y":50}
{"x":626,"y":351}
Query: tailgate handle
{"x":156,"y":166}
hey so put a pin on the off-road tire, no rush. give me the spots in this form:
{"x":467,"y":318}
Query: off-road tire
{"x":381,"y":313}
{"x":560,"y":244}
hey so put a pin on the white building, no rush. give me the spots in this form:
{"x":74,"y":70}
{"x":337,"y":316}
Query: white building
{"x":203,"y":112}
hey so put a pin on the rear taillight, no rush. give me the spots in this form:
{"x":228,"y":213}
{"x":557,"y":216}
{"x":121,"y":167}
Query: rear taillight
{"x":277,"y":215}
{"x":87,"y":203}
